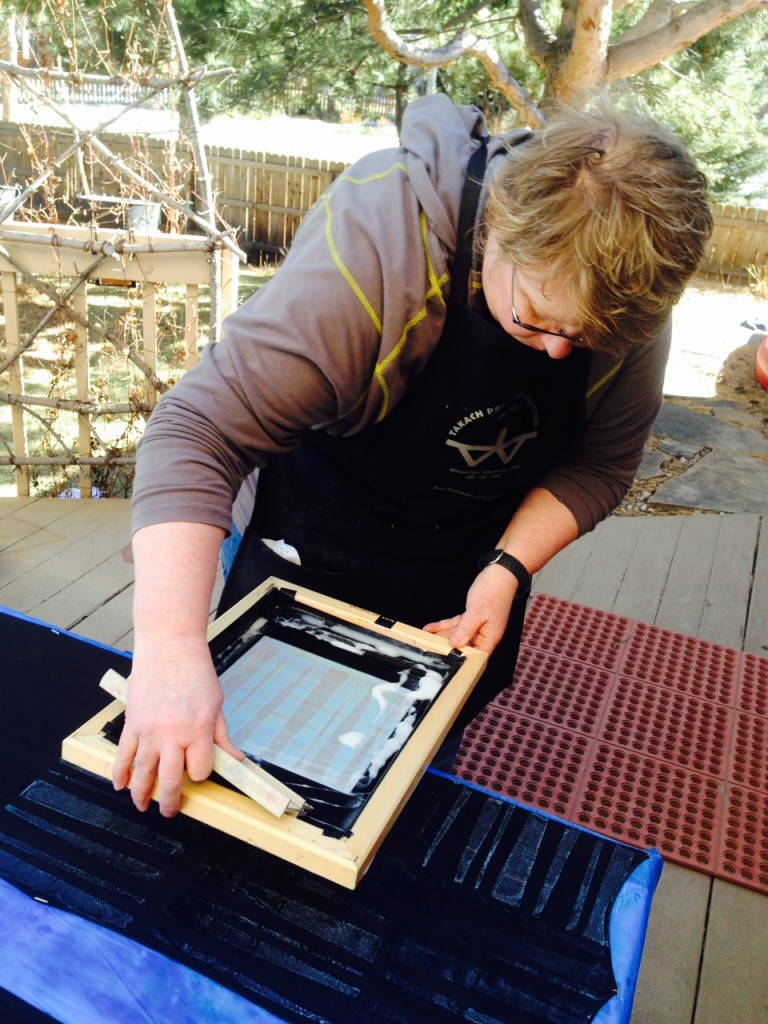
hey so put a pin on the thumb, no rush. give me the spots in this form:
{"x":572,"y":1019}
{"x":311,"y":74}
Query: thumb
{"x":463,"y":633}
{"x":221,"y":738}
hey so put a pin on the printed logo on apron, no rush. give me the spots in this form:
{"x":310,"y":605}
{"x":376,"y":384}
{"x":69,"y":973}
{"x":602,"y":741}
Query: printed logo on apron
{"x":438,"y":479}
{"x":488,"y":445}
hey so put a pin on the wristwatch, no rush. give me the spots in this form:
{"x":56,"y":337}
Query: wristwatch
{"x":518,"y":570}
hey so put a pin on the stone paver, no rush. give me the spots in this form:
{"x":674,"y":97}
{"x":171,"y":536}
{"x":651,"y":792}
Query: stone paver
{"x":731,"y":474}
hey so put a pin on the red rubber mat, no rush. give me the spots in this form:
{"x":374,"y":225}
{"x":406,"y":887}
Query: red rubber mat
{"x":639,"y":733}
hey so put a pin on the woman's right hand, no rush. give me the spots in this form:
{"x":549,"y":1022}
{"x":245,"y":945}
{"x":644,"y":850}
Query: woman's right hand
{"x":173,"y":716}
{"x":172,"y":719}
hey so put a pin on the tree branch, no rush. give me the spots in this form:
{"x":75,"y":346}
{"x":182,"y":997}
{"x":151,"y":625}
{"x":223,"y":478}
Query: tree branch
{"x":463,"y":44}
{"x":74,"y":405}
{"x":201,"y":162}
{"x":63,"y":460}
{"x":538,"y":35}
{"x":207,"y":222}
{"x":60,"y":302}
{"x":630,"y":57}
{"x":589,"y":45}
{"x":467,"y":15}
{"x":655,"y":17}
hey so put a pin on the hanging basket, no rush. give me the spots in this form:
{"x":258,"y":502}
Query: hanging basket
{"x":142,"y":218}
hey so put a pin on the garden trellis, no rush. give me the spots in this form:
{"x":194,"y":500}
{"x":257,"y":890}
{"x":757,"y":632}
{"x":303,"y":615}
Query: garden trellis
{"x":63,"y":262}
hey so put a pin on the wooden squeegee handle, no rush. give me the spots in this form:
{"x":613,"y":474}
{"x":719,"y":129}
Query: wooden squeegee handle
{"x":249,"y":778}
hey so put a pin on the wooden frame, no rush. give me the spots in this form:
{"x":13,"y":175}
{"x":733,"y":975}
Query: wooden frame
{"x":342,"y":859}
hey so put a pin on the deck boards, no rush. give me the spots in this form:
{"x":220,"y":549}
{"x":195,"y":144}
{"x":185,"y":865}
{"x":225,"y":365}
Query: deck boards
{"x":690,"y":573}
{"x":698,"y":575}
{"x":702,"y":575}
{"x":756,"y":636}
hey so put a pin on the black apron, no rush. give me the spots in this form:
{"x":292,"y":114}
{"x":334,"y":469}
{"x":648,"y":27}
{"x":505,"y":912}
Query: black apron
{"x":393,"y":519}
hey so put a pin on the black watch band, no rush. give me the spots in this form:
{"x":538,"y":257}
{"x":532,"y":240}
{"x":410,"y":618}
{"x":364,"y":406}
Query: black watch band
{"x":518,"y":570}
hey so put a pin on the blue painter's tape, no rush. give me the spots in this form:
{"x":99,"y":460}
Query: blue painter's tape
{"x":12,"y":613}
{"x":629,"y":923}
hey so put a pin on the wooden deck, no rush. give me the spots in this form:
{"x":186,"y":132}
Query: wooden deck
{"x":706,"y":576}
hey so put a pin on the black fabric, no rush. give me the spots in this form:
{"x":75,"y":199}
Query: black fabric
{"x":411,"y":602}
{"x":14,"y":1011}
{"x":50,"y":686}
{"x":473,"y":909}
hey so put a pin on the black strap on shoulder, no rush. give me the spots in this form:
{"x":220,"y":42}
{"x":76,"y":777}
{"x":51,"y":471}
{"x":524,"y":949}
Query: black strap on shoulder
{"x":470,"y":197}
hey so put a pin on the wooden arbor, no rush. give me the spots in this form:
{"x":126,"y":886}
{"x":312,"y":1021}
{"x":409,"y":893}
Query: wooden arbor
{"x":44,"y":255}
{"x":85,"y":259}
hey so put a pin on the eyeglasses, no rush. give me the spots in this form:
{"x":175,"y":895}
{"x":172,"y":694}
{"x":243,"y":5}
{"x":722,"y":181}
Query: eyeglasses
{"x":573,"y":338}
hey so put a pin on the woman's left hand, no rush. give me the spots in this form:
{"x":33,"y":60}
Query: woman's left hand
{"x":485,"y":617}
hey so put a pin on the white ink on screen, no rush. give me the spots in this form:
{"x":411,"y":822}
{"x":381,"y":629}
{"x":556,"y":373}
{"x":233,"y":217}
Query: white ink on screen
{"x":320,"y":719}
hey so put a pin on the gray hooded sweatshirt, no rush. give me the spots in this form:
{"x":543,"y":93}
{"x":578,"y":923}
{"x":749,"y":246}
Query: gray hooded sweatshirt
{"x":335,"y":338}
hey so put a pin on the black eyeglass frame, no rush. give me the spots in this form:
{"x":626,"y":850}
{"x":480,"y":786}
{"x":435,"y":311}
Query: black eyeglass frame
{"x":574,"y":339}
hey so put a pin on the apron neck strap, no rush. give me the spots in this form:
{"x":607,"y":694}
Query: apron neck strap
{"x":470,"y":199}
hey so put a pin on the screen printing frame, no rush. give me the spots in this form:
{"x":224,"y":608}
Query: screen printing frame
{"x":341,"y":859}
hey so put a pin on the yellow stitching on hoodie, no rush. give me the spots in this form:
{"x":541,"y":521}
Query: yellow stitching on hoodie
{"x":435,"y":289}
{"x":345,"y":273}
{"x":336,"y":255}
{"x":605,"y":378}
{"x":399,"y":166}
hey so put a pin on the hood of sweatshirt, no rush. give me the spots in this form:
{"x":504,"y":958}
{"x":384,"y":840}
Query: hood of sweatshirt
{"x":439,"y":139}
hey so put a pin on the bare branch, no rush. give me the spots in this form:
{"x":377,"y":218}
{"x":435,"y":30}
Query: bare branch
{"x":655,"y":17}
{"x":467,"y":15}
{"x":141,"y":86}
{"x":538,"y":35}
{"x":118,"y":244}
{"x":189,"y":95}
{"x":61,"y":302}
{"x":71,"y":460}
{"x":49,"y":429}
{"x":627,"y":58}
{"x":463,"y":44}
{"x":151,"y":190}
{"x":207,"y":223}
{"x":201,"y":161}
{"x":73,"y":405}
{"x":75,"y":147}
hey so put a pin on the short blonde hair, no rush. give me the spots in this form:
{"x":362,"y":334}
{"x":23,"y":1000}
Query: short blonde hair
{"x":610,"y":203}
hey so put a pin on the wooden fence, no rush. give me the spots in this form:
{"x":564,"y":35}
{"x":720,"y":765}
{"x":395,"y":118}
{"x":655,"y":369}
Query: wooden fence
{"x":264,"y":196}
{"x":739,"y":241}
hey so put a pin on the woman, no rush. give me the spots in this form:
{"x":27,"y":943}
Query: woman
{"x":445,"y":384}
